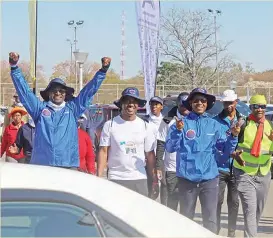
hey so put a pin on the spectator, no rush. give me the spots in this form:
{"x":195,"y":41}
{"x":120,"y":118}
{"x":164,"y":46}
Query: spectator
{"x":24,"y":140}
{"x":252,"y":164}
{"x":126,"y":142}
{"x":10,"y":134}
{"x":195,"y":139}
{"x":87,"y":155}
{"x":227,"y":118}
{"x":56,"y":135}
{"x":167,"y":161}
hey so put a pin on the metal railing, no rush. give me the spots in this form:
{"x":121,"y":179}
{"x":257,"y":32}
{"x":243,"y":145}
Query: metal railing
{"x":110,"y":92}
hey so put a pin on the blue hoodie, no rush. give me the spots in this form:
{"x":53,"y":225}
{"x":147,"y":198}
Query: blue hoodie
{"x":196,"y":147}
{"x":56,"y":134}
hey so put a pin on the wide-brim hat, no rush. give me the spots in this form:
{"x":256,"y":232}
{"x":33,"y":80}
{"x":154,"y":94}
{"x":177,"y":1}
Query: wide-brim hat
{"x":210,"y":98}
{"x":21,"y":110}
{"x":131,"y":92}
{"x":54,"y":82}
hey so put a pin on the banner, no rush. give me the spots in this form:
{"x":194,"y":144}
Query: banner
{"x":32,"y":9}
{"x":148,"y":21}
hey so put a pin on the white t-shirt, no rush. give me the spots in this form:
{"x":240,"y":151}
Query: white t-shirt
{"x":155,"y":123}
{"x":169,"y":158}
{"x":128,"y":141}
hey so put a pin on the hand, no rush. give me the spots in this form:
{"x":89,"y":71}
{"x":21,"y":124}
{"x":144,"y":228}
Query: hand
{"x":237,"y":155}
{"x":235,"y":131}
{"x":13,"y":58}
{"x":159,"y":174}
{"x":155,"y":190}
{"x":179,"y":124}
{"x":105,"y":63}
{"x":269,"y":136}
{"x":13,"y":149}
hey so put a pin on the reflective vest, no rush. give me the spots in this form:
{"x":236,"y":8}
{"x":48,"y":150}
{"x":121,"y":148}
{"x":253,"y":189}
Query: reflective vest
{"x":254,"y":164}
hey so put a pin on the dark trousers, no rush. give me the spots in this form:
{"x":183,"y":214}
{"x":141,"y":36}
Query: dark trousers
{"x":139,"y":186}
{"x":226,"y":179}
{"x":172,"y":189}
{"x":208,"y":196}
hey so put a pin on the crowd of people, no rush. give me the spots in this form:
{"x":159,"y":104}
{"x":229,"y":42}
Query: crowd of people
{"x":182,"y":156}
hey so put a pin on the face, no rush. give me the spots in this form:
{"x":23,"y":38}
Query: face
{"x":129,"y":106}
{"x":16,"y":99}
{"x":182,"y":110}
{"x":17,"y":118}
{"x":199,"y":104}
{"x":258,"y":110}
{"x":57,"y":94}
{"x":156,"y":108}
{"x":230,"y":107}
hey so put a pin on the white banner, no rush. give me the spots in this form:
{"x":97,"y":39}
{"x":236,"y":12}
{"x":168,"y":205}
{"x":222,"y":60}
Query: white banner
{"x":148,"y":21}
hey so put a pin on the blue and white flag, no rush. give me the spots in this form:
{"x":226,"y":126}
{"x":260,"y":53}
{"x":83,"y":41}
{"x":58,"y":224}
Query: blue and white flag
{"x":148,"y":21}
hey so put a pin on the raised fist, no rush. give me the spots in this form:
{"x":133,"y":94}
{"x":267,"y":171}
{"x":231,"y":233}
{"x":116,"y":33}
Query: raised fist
{"x":13,"y":58}
{"x":105,"y":63}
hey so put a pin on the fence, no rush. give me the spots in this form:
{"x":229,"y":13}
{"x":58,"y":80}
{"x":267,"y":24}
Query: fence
{"x":110,"y":92}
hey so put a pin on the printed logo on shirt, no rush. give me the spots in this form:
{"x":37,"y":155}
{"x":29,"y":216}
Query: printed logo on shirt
{"x":130,"y":147}
{"x":190,"y":134}
{"x":228,"y":132}
{"x":46,"y":113}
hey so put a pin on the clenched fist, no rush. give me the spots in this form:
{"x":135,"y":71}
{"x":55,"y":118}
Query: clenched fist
{"x":105,"y":63}
{"x":13,"y":58}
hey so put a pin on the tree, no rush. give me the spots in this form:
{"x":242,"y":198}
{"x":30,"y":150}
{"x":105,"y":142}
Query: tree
{"x":187,"y":39}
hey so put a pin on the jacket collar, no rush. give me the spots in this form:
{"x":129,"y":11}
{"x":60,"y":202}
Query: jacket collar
{"x":194,"y":116}
{"x":222,"y":114}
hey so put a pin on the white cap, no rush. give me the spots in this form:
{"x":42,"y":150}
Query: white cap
{"x":229,"y":96}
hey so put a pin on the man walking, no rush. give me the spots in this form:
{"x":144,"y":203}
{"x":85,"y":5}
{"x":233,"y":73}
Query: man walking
{"x":252,"y":164}
{"x":166,"y":162}
{"x":126,"y":143}
{"x":56,"y":133}
{"x":194,"y":139}
{"x":227,"y":118}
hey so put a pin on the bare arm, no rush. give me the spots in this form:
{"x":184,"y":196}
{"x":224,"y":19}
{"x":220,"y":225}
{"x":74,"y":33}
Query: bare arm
{"x":151,"y":165}
{"x":102,"y":160}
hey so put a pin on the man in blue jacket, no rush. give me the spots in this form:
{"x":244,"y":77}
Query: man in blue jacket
{"x":56,"y":134}
{"x":227,"y":118}
{"x":195,"y":139}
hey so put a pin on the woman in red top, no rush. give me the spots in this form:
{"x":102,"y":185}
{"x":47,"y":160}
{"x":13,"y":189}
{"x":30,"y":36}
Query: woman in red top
{"x":87,"y":155}
{"x":10,"y":134}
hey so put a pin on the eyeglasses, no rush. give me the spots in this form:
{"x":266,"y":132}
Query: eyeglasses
{"x":202,"y":100}
{"x":257,"y":106}
{"x":61,"y":90}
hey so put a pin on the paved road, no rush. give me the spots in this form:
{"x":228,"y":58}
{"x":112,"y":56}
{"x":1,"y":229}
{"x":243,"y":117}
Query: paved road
{"x":266,"y":223}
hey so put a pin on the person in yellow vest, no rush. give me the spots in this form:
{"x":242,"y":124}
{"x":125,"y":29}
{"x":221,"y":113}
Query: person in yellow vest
{"x":252,"y":162}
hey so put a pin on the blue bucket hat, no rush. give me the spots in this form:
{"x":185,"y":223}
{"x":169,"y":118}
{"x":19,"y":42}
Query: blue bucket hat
{"x":156,"y":99}
{"x":211,"y":99}
{"x":54,"y":82}
{"x":131,"y":92}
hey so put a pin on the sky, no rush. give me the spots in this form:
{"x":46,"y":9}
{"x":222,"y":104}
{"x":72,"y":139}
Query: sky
{"x":249,"y":25}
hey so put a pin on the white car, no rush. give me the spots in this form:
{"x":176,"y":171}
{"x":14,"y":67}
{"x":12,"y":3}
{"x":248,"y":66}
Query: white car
{"x":39,"y":201}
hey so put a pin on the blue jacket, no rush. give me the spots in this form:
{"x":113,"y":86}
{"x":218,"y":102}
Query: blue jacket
{"x":224,"y":161}
{"x":24,"y":139}
{"x":56,"y":134}
{"x":196,"y":147}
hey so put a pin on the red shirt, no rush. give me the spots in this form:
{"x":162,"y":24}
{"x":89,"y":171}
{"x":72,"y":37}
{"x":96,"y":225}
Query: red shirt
{"x":8,"y":139}
{"x":87,"y":155}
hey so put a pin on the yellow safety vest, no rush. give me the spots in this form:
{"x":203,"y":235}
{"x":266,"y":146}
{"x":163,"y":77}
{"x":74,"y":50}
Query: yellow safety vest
{"x":254,"y":164}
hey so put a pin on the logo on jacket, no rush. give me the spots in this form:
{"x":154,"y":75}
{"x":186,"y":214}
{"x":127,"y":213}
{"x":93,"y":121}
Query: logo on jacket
{"x":46,"y":113}
{"x":190,"y":134}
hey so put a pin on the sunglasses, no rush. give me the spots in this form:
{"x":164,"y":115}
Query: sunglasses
{"x":257,"y":106}
{"x":202,"y":100}
{"x":61,"y":90}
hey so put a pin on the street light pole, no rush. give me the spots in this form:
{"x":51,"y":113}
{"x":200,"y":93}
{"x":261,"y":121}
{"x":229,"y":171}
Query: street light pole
{"x":215,"y":14}
{"x":75,"y":25}
{"x":71,"y":57}
{"x":80,"y":58}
